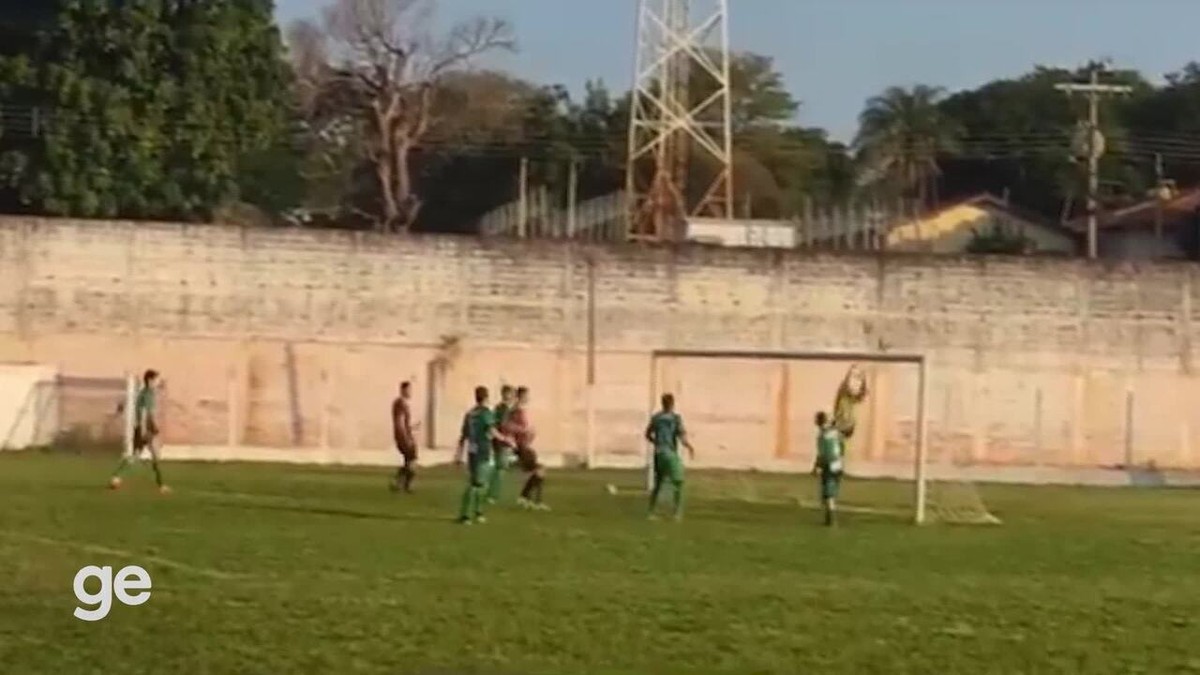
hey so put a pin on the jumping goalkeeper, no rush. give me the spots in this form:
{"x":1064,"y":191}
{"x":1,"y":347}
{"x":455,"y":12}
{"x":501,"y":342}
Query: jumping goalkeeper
{"x":851,"y":392}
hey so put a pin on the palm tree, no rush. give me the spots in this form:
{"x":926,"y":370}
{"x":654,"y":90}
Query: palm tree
{"x":901,"y":134}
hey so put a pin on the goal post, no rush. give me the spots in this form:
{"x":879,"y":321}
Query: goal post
{"x":129,"y":413}
{"x":920,"y":362}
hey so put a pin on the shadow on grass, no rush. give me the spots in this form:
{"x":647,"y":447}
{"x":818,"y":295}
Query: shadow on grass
{"x":314,"y":510}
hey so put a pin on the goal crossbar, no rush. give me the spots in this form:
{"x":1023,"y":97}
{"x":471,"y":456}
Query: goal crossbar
{"x":921,"y":361}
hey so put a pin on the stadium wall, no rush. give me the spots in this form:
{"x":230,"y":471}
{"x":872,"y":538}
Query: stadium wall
{"x":288,"y":344}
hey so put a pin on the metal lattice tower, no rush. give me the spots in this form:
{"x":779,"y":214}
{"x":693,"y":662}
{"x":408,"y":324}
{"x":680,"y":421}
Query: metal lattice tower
{"x":680,"y":117}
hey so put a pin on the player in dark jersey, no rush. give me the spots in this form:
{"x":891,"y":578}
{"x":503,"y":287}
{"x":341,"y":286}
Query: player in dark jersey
{"x":521,"y":430}
{"x":145,"y":432}
{"x":501,"y":450}
{"x":406,"y":441}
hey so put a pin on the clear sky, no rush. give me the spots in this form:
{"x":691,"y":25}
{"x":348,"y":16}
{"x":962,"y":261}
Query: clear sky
{"x":837,"y":53}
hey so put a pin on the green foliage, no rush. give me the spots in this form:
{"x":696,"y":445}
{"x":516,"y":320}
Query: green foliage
{"x":1019,"y":127}
{"x":1000,"y":238}
{"x":902,"y":134}
{"x":152,"y":107}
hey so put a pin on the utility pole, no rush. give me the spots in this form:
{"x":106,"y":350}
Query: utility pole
{"x":523,"y":199}
{"x":1094,"y":91}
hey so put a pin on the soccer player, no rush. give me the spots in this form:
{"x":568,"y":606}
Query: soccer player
{"x":828,"y":465}
{"x":406,"y":442}
{"x":521,"y":430}
{"x":501,"y":450}
{"x":145,"y":432}
{"x":666,"y":432}
{"x":851,"y":392}
{"x":479,"y":430}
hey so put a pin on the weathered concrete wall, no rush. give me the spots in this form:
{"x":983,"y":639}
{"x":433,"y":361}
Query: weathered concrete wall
{"x":297,"y":339}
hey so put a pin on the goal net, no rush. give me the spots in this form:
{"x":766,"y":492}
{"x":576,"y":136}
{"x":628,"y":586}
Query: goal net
{"x":751,"y":416}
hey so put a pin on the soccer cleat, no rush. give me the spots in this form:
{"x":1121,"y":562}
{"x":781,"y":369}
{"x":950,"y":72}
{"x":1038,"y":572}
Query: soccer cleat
{"x":164,"y":490}
{"x":480,"y":519}
{"x":114,"y":483}
{"x":652,"y":516}
{"x":491,"y":501}
{"x":539,"y":506}
{"x":464,"y":521}
{"x":524,"y":503}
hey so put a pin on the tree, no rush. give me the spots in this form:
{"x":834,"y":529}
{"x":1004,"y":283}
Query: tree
{"x":1019,"y":132}
{"x":144,"y":108}
{"x":372,"y":70}
{"x":902,"y":133}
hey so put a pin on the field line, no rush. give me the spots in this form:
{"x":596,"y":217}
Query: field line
{"x":814,"y":506}
{"x":120,"y":553}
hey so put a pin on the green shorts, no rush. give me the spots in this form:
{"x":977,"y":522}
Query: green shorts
{"x":668,"y":467}
{"x":501,"y":455}
{"x":831,"y":484}
{"x":480,"y":470}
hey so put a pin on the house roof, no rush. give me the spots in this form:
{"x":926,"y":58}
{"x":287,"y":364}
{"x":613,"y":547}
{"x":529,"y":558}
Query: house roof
{"x":1179,"y":210}
{"x":987,"y":199}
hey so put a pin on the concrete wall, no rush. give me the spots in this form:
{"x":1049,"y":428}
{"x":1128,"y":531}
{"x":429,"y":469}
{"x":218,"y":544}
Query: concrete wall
{"x":1137,"y":244}
{"x":296,"y":339}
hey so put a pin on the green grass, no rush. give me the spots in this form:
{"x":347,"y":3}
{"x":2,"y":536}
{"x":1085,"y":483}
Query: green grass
{"x":275,"y":569}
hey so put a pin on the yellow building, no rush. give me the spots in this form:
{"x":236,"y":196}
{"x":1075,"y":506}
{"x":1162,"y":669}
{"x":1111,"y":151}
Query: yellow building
{"x":952,"y":228}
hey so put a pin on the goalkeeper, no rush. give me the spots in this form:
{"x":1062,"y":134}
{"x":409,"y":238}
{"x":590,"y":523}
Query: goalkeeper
{"x":851,"y":392}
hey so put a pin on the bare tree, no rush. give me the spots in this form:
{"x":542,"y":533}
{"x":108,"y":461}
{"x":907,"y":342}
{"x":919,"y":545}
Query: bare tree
{"x":370,"y":72}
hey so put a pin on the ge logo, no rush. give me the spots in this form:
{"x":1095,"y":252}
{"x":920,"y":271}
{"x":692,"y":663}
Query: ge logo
{"x":131,"y":586}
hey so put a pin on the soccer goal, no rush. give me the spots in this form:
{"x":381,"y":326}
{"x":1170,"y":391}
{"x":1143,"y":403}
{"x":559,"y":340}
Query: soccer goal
{"x":751,"y":416}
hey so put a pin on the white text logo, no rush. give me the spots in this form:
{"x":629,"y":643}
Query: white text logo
{"x":131,"y":586}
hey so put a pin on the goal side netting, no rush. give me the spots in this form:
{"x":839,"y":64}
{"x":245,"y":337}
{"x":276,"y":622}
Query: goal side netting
{"x":751,"y":416}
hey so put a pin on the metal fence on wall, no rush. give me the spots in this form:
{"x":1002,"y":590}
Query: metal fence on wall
{"x":855,"y":226}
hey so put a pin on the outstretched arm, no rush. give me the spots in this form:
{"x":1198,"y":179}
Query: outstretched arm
{"x":498,"y":435}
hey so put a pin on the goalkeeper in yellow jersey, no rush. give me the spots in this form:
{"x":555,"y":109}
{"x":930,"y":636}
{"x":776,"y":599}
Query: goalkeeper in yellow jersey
{"x":851,"y":392}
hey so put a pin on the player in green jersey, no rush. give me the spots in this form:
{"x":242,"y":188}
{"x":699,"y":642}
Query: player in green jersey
{"x":479,"y":431}
{"x":666,"y":433}
{"x":145,"y":432}
{"x":502,"y":451}
{"x":828,"y":465}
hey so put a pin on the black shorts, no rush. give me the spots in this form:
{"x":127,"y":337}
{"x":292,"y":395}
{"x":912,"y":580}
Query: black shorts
{"x":142,"y":441}
{"x":408,"y":452}
{"x":527,"y":459}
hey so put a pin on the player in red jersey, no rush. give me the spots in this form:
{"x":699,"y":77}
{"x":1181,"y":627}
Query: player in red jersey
{"x":521,"y":430}
{"x":406,"y":442}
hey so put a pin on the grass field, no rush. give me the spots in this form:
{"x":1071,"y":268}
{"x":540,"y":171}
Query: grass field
{"x":271,"y":569}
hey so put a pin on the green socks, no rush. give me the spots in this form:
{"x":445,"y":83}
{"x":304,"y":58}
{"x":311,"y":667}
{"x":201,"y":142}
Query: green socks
{"x":495,"y":481}
{"x":472,"y":506}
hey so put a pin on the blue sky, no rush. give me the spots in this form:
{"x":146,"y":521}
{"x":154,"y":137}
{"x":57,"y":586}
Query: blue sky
{"x":837,"y":53}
